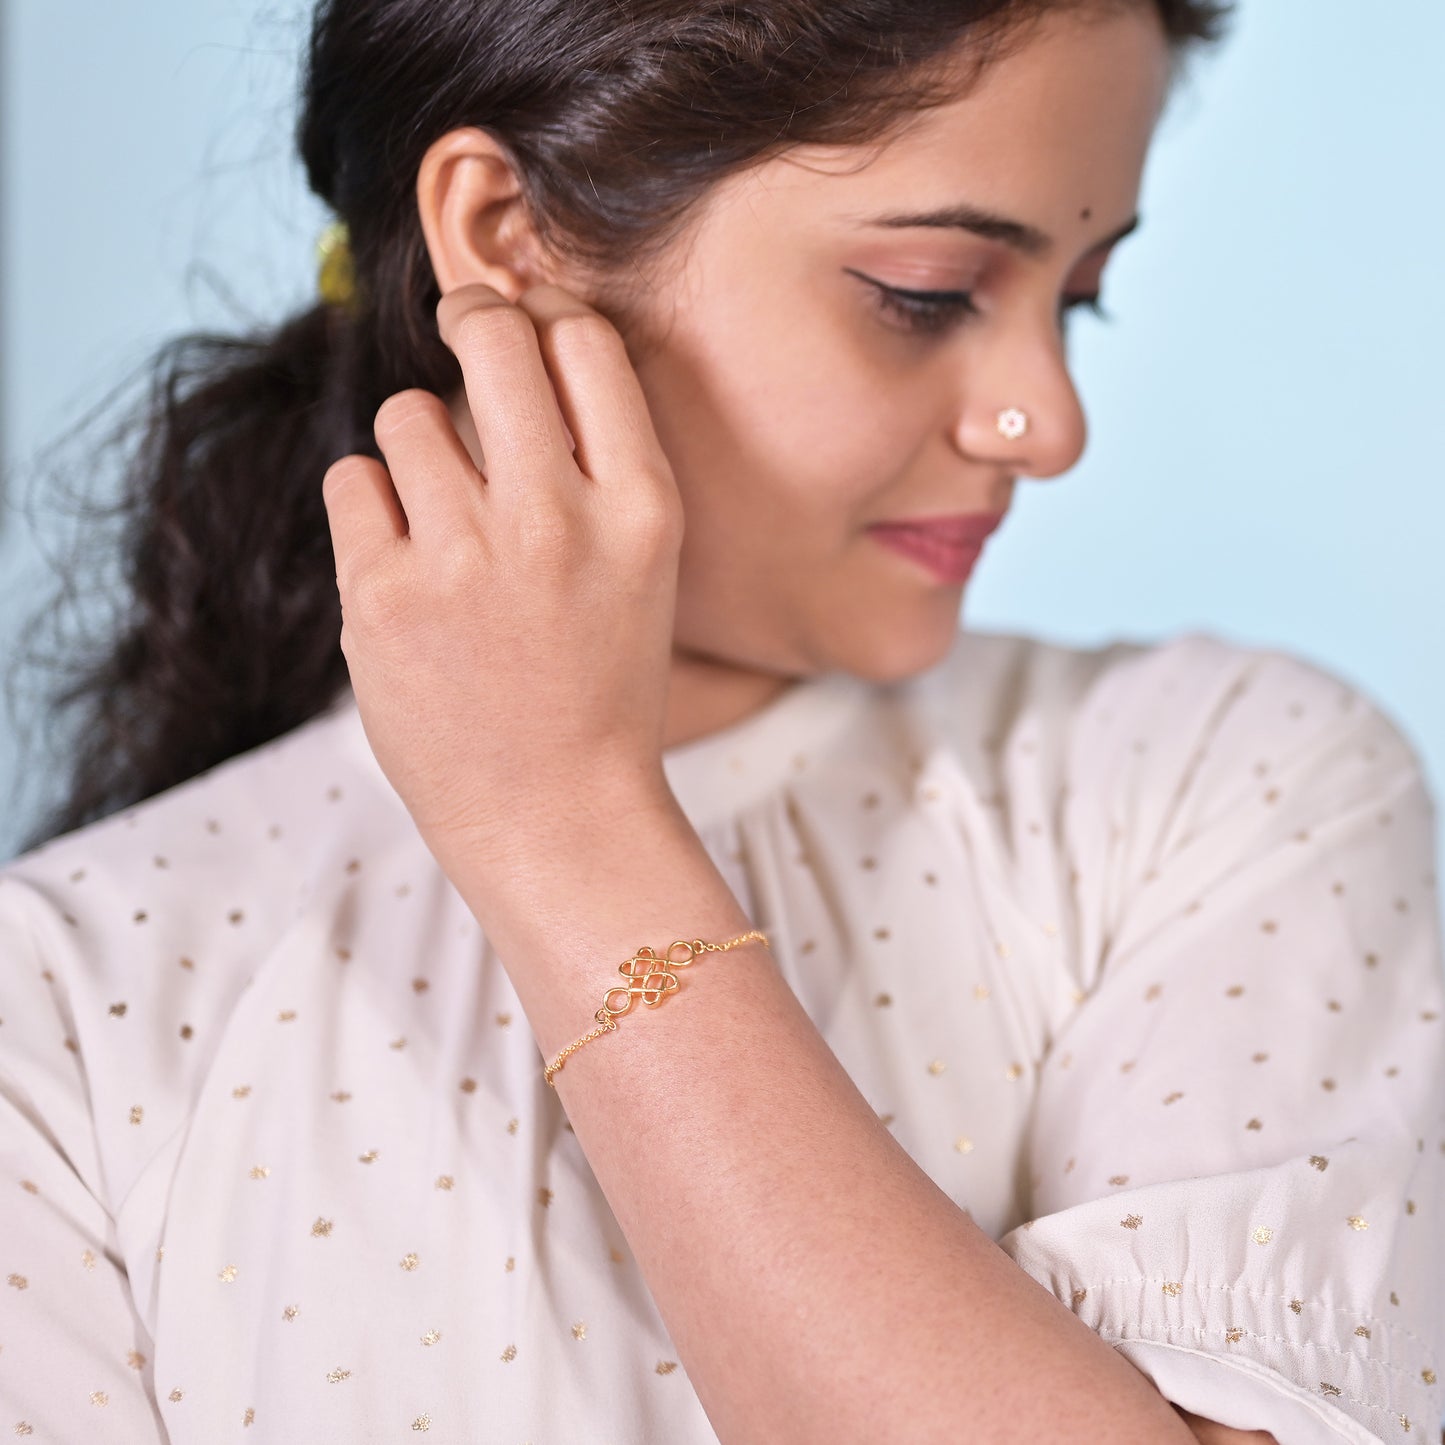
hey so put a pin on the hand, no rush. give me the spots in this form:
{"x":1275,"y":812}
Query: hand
{"x":509,"y":631}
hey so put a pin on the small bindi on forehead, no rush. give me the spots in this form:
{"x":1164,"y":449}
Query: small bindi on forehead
{"x":1086,"y":214}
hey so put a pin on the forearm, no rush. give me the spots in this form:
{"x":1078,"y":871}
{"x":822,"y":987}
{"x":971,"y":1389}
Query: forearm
{"x":818,"y":1286}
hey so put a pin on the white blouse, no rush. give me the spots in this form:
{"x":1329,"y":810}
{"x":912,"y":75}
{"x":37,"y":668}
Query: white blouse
{"x":1135,"y":948}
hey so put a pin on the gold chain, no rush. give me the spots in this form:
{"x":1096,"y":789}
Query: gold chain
{"x":655,"y":981}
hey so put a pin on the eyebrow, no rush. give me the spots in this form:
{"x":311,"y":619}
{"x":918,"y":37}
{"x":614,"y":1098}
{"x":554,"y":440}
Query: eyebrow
{"x":1028,"y":240}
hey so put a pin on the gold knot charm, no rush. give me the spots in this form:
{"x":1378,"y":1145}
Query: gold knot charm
{"x":649,"y":978}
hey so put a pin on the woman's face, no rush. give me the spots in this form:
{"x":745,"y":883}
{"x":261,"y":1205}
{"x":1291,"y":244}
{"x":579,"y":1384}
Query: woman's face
{"x":797,"y":409}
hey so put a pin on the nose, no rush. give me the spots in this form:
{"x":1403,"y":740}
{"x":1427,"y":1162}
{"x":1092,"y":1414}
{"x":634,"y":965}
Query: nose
{"x":1020,"y":408}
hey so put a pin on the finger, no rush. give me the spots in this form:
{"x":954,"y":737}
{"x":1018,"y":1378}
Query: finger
{"x":437,"y":482}
{"x":601,"y":398}
{"x":362,"y":509}
{"x":513,"y":404}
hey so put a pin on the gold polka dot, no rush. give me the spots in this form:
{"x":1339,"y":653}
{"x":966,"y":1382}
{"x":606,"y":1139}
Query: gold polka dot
{"x":509,"y":1354}
{"x":354,"y":866}
{"x":1174,"y":1287}
{"x":87,"y":1258}
{"x":1001,"y":948}
{"x":341,"y":1095}
{"x":176,"y":1396}
{"x":882,"y":933}
{"x":140,"y":915}
{"x":666,"y":1367}
{"x":544,"y":1195}
{"x":1174,"y":1096}
{"x":286,"y":1016}
{"x":1132,"y":1221}
{"x":445,"y":1181}
{"x":249,"y":1418}
{"x":419,"y":985}
{"x":1355,"y":1222}
{"x":1259,"y":1058}
{"x":1263,"y":1234}
{"x":882,"y":1000}
{"x":1272,"y":796}
{"x":980,"y":990}
{"x":241,"y":1091}
{"x":136,"y":1113}
{"x":513,"y":1124}
{"x":1319,"y":1162}
{"x":1327,"y":1084}
{"x":409,"y":1262}
{"x":1254,"y":1124}
{"x":869,"y":864}
{"x":1014,"y":1070}
{"x":1334,"y":1005}
{"x":344,"y":954}
{"x":321,"y":1229}
{"x":1118,"y":1179}
{"x":228,"y":1274}
{"x":370,"y":1157}
{"x":431,"y":1337}
{"x":1363,"y":1331}
{"x":337,"y":1375}
{"x":1234,"y":990}
{"x":259,"y":1171}
{"x":1394,"y":1298}
{"x":1077,"y":1296}
{"x":422,"y":1423}
{"x":1428,"y":1375}
{"x":18,"y":1281}
{"x":468,"y":1086}
{"x":1269,"y":926}
{"x":397,"y":1043}
{"x":99,"y":1397}
{"x":579,"y":1330}
{"x":936,"y":1067}
{"x":1234,"y":1335}
{"x":186,"y":1031}
{"x":188,"y":963}
{"x":1153,"y":992}
{"x":290,"y":1312}
{"x":870,"y":800}
{"x":29,"y":1186}
{"x":1409,"y":1206}
{"x":511,"y":1263}
{"x":931,"y":879}
{"x":117,"y":1010}
{"x":1328,"y":1388}
{"x":963,"y":1144}
{"x":235,"y":917}
{"x":1297,"y":1305}
{"x":135,"y":1359}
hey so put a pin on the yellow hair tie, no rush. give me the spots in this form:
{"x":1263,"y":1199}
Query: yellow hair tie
{"x":336,"y":276}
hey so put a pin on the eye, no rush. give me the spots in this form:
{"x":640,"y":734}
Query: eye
{"x":1091,"y":303}
{"x":924,"y":312}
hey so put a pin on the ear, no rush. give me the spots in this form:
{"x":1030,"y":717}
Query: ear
{"x":474,"y":217}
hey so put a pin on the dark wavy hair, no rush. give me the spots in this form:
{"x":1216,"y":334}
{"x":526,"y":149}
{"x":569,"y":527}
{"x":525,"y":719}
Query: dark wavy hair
{"x":217,"y":573}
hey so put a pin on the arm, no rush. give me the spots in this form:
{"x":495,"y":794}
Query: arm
{"x":1210,"y":1433}
{"x":818,"y":1285}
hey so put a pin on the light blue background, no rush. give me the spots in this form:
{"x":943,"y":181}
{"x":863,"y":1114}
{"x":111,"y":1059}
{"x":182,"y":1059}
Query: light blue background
{"x":1265,"y":414}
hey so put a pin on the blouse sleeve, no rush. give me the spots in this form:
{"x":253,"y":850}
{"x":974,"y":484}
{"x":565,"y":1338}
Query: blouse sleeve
{"x":1238,"y":1153}
{"x":73,"y":1353}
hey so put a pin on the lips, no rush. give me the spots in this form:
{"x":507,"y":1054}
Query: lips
{"x":960,"y":530}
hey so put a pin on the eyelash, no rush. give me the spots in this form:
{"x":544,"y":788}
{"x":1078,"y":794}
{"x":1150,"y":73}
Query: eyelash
{"x":933,"y":312}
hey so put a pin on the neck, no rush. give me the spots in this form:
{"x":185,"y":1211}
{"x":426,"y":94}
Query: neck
{"x":704,"y":696}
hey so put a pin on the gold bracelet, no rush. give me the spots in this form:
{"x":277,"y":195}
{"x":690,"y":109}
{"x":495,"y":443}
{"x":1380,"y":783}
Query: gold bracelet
{"x":652,"y":986}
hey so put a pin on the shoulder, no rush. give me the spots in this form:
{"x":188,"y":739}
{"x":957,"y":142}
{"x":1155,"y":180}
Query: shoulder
{"x":205,"y":875}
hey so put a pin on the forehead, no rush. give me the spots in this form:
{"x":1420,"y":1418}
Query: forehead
{"x":1060,"y":123}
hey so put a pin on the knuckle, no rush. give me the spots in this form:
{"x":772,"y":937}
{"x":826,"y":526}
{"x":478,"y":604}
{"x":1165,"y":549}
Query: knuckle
{"x":582,"y":332}
{"x":457,"y":560}
{"x":404,"y":409}
{"x":549,"y":528}
{"x":493,"y":328}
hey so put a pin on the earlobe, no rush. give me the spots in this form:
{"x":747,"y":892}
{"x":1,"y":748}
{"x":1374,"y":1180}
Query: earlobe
{"x":473,"y":215}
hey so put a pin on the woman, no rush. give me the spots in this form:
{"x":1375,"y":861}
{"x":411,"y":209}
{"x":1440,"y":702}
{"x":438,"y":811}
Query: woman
{"x":1073,"y":1072}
